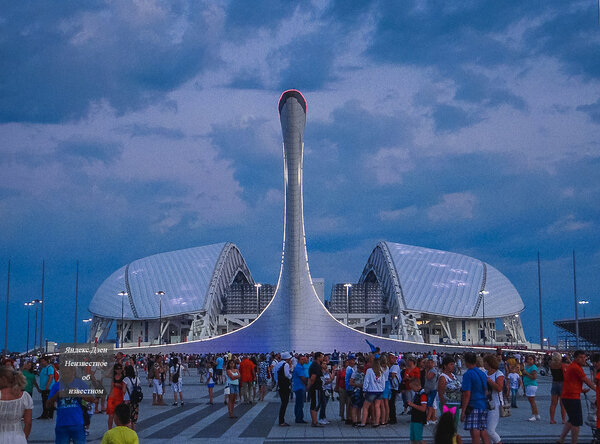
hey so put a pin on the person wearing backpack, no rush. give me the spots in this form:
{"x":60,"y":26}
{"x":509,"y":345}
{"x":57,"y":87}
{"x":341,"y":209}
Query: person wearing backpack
{"x":133,"y":394}
{"x":176,"y":381}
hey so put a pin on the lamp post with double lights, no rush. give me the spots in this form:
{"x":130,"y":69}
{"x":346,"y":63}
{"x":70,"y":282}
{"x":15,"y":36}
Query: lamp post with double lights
{"x":584,"y":303}
{"x":160,"y":294}
{"x":123,"y":294}
{"x":28,"y":304}
{"x":36,"y":302}
{"x":257,"y":285}
{"x":87,"y":321}
{"x":482,"y":293}
{"x":347,"y":301}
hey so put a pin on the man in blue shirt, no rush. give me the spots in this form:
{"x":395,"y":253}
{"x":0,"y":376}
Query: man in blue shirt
{"x":69,"y":413}
{"x":474,"y":405}
{"x":299,"y":379}
{"x":219,"y":370}
{"x":46,"y":383}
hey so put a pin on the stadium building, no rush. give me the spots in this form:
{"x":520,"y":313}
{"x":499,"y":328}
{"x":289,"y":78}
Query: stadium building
{"x":404,"y":292}
{"x":204,"y":299}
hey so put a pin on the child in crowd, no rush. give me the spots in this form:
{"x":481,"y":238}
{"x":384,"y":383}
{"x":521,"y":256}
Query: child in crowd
{"x":418,"y":412}
{"x":121,"y":434}
{"x":445,"y":432}
{"x":515,"y":382}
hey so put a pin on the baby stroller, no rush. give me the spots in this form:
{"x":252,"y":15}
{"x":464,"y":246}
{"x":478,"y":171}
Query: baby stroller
{"x":591,"y":418}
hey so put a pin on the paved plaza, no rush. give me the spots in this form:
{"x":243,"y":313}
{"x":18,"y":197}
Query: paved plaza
{"x":197,"y":421}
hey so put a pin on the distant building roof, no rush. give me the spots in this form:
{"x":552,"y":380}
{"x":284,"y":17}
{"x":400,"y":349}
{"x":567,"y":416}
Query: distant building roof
{"x":439,"y":282}
{"x":589,"y":328}
{"x":188,"y":277}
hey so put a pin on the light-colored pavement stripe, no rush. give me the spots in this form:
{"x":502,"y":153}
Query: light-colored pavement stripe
{"x":160,"y":424}
{"x":241,"y":424}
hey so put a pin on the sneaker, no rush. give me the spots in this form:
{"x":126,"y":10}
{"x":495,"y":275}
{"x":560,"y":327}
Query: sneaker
{"x":174,"y":404}
{"x":538,"y":417}
{"x":533,"y":418}
{"x":323,"y":422}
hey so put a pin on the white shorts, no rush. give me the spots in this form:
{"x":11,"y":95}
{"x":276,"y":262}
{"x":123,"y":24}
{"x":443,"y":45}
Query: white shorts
{"x":158,"y":389}
{"x":530,"y":391}
{"x":176,"y":386}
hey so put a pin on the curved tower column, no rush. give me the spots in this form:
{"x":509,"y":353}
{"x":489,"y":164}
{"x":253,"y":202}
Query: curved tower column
{"x":295,"y":319}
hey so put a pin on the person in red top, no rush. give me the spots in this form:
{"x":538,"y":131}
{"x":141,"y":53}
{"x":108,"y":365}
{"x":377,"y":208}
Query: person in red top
{"x":571,"y":393}
{"x":340,"y":388}
{"x":247,"y":375}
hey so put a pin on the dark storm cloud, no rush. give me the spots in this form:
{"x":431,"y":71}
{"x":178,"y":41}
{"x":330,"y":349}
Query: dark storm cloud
{"x":569,"y":35}
{"x":245,"y":18}
{"x":480,"y":89}
{"x":257,"y":167}
{"x":58,"y":59}
{"x":592,"y":110}
{"x":308,"y":62}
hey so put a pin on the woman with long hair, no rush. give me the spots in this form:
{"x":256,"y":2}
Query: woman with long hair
{"x":373,"y":387}
{"x":233,"y":382}
{"x":130,"y":381}
{"x":445,"y":432}
{"x":116,"y":393}
{"x":16,"y":405}
{"x":557,"y":369}
{"x":495,"y":380}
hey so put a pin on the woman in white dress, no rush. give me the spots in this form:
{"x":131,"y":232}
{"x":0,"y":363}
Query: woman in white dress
{"x":15,"y":405}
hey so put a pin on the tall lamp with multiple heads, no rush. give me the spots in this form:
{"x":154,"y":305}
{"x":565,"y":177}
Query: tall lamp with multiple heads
{"x":584,"y":303}
{"x":87,"y":321}
{"x":35,"y":302}
{"x":482,"y":293}
{"x":347,"y":301}
{"x":160,"y":294}
{"x":257,"y":285}
{"x":28,"y":304}
{"x":123,"y":294}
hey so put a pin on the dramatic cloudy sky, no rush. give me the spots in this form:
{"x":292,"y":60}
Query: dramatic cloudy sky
{"x":137,"y":127}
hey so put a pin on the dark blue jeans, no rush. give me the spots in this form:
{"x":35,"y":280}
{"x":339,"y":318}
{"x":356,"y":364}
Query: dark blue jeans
{"x":299,"y":406}
{"x":324,"y":395}
{"x":65,"y":433}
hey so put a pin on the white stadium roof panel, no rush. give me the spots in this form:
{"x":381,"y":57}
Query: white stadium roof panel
{"x":186,"y":276}
{"x":442,"y":283}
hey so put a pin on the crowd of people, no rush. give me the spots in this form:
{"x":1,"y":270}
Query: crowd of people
{"x":373,"y":389}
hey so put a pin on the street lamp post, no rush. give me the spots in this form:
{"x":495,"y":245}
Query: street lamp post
{"x":483,"y":293}
{"x":36,"y":302}
{"x":584,"y":303}
{"x":257,"y":285}
{"x":28,"y":304}
{"x":160,"y":294}
{"x":86,"y":321}
{"x":122,"y":294}
{"x":347,"y":301}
